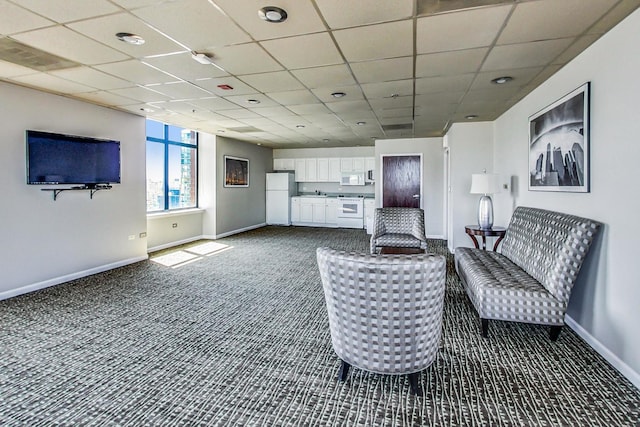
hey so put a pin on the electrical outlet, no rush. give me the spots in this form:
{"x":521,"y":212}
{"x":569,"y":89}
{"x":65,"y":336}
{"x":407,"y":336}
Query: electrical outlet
{"x":505,"y":186}
{"x":143,"y":234}
{"x":132,"y":237}
{"x":174,"y":225}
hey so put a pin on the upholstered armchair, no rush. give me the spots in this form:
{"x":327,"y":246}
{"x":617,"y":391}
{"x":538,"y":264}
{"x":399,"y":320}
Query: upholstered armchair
{"x":385,"y":311}
{"x":398,"y":227}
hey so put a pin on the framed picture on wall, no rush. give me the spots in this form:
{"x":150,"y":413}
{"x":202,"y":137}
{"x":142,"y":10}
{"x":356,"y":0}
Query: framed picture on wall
{"x":236,"y":172}
{"x":559,"y":144}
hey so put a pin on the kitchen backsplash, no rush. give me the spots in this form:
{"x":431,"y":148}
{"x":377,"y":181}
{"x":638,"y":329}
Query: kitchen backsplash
{"x":334,"y":188}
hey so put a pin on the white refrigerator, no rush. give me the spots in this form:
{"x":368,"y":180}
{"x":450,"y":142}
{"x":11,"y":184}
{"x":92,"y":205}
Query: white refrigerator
{"x":280,"y":187}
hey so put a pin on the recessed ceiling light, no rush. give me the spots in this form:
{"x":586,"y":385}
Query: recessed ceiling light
{"x":471,"y":116}
{"x":253,"y":101}
{"x":130,"y":38}
{"x":299,"y":126}
{"x":202,"y":58}
{"x":225,"y":87}
{"x":272,"y":14}
{"x":361,"y":123}
{"x":338,"y":94}
{"x":502,"y":80}
{"x":325,"y":140}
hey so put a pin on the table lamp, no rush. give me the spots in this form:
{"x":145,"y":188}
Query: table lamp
{"x":485,"y":184}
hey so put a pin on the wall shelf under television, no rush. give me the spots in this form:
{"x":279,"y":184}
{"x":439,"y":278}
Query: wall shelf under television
{"x":93,"y":190}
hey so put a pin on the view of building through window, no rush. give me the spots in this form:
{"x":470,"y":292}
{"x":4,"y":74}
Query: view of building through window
{"x":171,"y":167}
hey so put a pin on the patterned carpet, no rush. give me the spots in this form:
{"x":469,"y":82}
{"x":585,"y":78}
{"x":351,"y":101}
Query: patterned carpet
{"x":234,"y":332}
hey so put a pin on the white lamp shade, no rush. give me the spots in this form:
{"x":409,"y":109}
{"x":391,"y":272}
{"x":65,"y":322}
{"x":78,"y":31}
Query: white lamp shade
{"x":485,"y":183}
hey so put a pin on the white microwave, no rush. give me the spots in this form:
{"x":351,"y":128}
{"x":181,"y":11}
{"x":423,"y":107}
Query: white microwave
{"x":352,"y":178}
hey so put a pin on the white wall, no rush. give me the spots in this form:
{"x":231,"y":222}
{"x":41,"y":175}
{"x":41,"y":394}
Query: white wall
{"x":470,"y":151}
{"x":46,"y":242}
{"x":604,"y":303}
{"x":432,"y":177}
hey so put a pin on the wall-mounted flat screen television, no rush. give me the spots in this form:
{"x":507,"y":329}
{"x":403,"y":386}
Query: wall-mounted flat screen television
{"x":68,"y":159}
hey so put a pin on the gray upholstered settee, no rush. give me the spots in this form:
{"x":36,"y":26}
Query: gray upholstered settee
{"x":398,"y":227}
{"x":531,"y":279}
{"x":385,"y":311}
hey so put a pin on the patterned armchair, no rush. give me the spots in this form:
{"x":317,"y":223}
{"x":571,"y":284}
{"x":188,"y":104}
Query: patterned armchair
{"x":398,"y":227}
{"x":385,"y":311}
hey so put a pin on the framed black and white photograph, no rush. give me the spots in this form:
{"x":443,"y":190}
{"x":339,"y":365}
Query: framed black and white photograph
{"x":236,"y":172}
{"x":559,"y":144}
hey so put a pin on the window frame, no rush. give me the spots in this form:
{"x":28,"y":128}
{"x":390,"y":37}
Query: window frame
{"x":166,"y":142}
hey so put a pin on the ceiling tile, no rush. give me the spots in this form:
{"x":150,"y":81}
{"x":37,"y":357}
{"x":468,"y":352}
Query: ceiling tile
{"x":240,"y":113}
{"x":197,"y":24}
{"x":450,"y":63}
{"x":309,"y":109}
{"x":521,"y":77}
{"x":214,"y":104}
{"x":578,"y":46}
{"x":332,"y":75}
{"x":181,"y":90}
{"x":135,"y":72}
{"x":614,"y":16}
{"x":242,"y":100}
{"x":443,"y":84}
{"x":69,"y":10}
{"x":352,"y":93}
{"x":460,"y":30}
{"x":302,"y":18}
{"x":68,"y":44}
{"x":293,"y":97}
{"x":388,"y":89}
{"x":347,"y":106}
{"x":91,"y":77}
{"x":247,"y":58}
{"x":389,"y":40}
{"x":554,"y":19}
{"x":273,"y":112}
{"x":9,"y":69}
{"x":272,"y":82}
{"x":383,"y":70}
{"x":391,"y":102}
{"x":140,"y":94}
{"x":184,"y":67}
{"x":523,"y":55}
{"x":310,"y":50}
{"x":53,"y":83}
{"x":239,"y":88}
{"x":342,"y":14}
{"x":14,"y":19}
{"x":448,"y":97}
{"x":104,"y":30}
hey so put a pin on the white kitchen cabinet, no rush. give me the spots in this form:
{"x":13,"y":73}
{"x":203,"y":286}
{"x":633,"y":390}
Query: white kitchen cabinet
{"x":331,"y":212}
{"x":323,"y":170}
{"x":319,"y":214}
{"x":306,"y":211}
{"x":334,"y":169}
{"x":352,"y":164}
{"x":284,"y":164}
{"x":295,"y":209}
{"x":311,"y":170}
{"x":300,"y":167}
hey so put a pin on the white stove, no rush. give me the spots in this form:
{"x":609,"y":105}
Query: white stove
{"x":350,"y":212}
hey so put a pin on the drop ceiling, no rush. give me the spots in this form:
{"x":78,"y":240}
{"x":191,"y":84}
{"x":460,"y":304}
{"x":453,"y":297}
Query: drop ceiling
{"x":408,"y":68}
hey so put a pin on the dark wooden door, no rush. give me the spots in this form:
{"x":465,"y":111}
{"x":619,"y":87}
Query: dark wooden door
{"x":401,"y":181}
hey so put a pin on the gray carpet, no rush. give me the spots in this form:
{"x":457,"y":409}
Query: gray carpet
{"x":238,"y":335}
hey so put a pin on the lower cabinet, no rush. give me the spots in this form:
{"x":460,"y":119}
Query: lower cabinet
{"x":312,"y":211}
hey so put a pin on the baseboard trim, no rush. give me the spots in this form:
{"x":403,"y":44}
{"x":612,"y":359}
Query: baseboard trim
{"x":66,"y":278}
{"x":435,"y":236}
{"x":176,"y":243}
{"x":232,"y":232}
{"x":615,"y":361}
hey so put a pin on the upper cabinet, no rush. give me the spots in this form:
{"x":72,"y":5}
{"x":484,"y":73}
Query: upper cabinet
{"x":284,"y":164}
{"x":324,"y":169}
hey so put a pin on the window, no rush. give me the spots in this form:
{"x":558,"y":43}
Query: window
{"x":172,"y":167}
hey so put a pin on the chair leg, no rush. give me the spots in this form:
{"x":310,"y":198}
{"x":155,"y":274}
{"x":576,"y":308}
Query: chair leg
{"x":344,"y":370}
{"x":414,"y":380}
{"x":485,"y":327}
{"x":554,"y":332}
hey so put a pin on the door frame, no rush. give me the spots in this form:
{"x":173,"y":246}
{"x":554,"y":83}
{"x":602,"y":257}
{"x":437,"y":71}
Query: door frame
{"x":421,"y":174}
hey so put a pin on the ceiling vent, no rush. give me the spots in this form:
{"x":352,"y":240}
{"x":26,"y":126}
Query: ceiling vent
{"x":401,"y":126}
{"x":432,"y":7}
{"x":27,"y":56}
{"x":245,"y":129}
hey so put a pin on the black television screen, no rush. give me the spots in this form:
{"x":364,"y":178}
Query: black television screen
{"x":67,"y":159}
